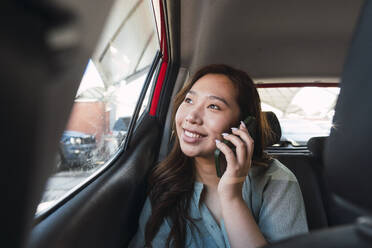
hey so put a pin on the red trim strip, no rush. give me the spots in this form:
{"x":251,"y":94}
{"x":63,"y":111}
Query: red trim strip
{"x":296,"y":85}
{"x":158,"y":87}
{"x":164,"y":65}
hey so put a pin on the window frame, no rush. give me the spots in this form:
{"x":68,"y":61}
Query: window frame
{"x":40,"y":216}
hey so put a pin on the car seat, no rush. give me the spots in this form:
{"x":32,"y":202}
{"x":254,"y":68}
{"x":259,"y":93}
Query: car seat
{"x":348,"y":152}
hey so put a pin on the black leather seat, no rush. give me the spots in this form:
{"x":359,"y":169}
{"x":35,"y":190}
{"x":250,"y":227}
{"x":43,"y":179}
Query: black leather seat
{"x":303,"y":167}
{"x":337,"y":212}
{"x":347,"y":158}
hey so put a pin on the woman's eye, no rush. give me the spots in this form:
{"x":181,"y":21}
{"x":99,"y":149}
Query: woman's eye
{"x":215,"y":107}
{"x":188,"y":100}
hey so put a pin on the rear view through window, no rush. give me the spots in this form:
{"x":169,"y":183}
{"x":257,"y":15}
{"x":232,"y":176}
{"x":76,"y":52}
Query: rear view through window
{"x":303,"y":112}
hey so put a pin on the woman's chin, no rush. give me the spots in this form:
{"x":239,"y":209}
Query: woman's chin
{"x":196,"y":153}
{"x":190,"y":154}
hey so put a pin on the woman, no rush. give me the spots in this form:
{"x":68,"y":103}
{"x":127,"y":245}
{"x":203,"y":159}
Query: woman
{"x":257,"y":200}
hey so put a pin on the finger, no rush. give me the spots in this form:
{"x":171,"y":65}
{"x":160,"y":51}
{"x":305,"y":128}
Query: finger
{"x":243,"y":133}
{"x":243,"y":127}
{"x":226,"y":150}
{"x":241,"y":151}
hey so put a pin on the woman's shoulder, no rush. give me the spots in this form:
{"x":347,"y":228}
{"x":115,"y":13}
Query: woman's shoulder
{"x":274,"y":170}
{"x":268,"y":183}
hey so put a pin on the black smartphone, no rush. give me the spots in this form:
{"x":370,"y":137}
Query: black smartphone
{"x":219,"y":157}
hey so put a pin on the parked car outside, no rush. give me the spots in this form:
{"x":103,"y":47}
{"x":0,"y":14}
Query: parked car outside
{"x":120,"y":128}
{"x":76,"y":149}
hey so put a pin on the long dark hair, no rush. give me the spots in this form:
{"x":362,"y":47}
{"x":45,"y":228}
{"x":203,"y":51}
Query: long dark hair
{"x":171,"y":183}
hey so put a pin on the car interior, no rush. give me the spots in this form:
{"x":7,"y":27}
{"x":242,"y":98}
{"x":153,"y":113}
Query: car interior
{"x":289,"y":43}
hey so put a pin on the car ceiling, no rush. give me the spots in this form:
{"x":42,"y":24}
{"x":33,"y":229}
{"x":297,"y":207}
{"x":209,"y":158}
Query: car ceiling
{"x":274,"y":41}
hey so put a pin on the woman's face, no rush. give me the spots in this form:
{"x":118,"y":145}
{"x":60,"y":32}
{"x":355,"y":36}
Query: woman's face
{"x":209,"y":109}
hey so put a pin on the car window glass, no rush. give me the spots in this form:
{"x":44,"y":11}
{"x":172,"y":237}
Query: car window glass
{"x":106,"y":98}
{"x":147,"y":100}
{"x":303,"y":112}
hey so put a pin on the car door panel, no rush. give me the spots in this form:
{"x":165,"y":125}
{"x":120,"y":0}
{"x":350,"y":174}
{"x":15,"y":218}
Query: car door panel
{"x":104,"y":214}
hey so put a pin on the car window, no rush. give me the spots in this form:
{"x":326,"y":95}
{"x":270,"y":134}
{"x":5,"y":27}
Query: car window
{"x":303,"y":112}
{"x":106,"y":98}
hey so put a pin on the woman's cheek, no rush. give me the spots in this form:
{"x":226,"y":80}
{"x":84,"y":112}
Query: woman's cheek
{"x":223,"y":122}
{"x":178,"y":126}
{"x":178,"y":117}
{"x":217,"y":127}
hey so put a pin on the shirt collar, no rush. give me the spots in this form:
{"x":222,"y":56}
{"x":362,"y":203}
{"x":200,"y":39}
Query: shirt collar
{"x":198,"y":189}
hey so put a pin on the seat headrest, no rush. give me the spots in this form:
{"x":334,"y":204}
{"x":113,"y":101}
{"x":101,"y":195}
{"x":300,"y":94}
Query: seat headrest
{"x":348,"y":148}
{"x":316,"y":146}
{"x":275,"y":127}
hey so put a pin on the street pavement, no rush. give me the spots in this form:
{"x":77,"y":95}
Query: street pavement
{"x":61,"y":183}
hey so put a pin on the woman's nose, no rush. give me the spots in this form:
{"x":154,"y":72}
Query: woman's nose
{"x":194,"y":117}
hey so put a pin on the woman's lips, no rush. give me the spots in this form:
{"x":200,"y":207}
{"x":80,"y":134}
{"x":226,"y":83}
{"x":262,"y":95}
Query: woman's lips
{"x":191,"y":137}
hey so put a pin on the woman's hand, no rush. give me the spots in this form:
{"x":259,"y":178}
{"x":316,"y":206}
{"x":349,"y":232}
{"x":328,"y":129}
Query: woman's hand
{"x":240,"y":224}
{"x":238,"y":165}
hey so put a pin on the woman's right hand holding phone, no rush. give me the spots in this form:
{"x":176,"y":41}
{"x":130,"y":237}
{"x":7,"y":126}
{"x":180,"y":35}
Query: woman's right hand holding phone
{"x":240,"y":224}
{"x":238,"y":163}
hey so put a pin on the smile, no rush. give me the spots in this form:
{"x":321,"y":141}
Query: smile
{"x":192,"y":135}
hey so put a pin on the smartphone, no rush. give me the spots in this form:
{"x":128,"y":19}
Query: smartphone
{"x":219,"y":157}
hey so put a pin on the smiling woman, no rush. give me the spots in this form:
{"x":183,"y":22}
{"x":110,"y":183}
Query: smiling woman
{"x":143,"y":60}
{"x":187,"y":202}
{"x":208,"y":110}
